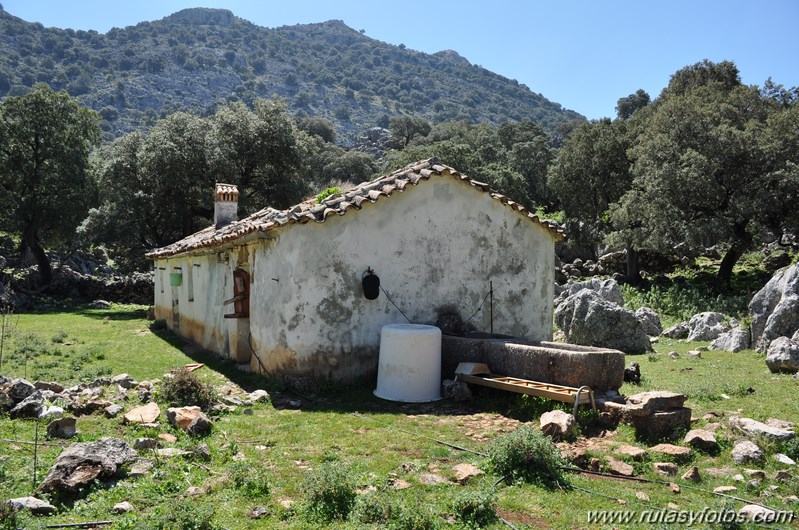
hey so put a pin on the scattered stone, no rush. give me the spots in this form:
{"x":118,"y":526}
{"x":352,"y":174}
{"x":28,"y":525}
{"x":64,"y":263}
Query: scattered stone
{"x":51,"y":412}
{"x":675,"y":451}
{"x":725,"y":489}
{"x":148,"y":413}
{"x":636,"y":453}
{"x":649,"y":320}
{"x":123,"y":507}
{"x":124,"y":380}
{"x":463,"y":472}
{"x":557,"y":424}
{"x":113,"y":410}
{"x":780,"y":424}
{"x":665,"y":468}
{"x":140,"y":467}
{"x":194,"y":491}
{"x":656,"y":401}
{"x":758,"y":474}
{"x":712,"y":427}
{"x":182,"y":417}
{"x":34,"y":505}
{"x":49,"y":385}
{"x":791,"y":498}
{"x":693,"y":354}
{"x":701,"y":439}
{"x":617,"y":467}
{"x":677,"y":331}
{"x":756,"y":428}
{"x":20,"y":389}
{"x":735,"y":340}
{"x":784,"y":459}
{"x":241,"y":456}
{"x":783,"y":355}
{"x":232,"y":400}
{"x":399,"y":484}
{"x":259,"y":396}
{"x":782,"y":475}
{"x":746,"y":451}
{"x":606,"y":289}
{"x":757,"y":513}
{"x":738,"y":478}
{"x":674,"y":488}
{"x":171,"y":452}
{"x":30,"y":407}
{"x":641,"y":496}
{"x":458,"y":391}
{"x":706,"y":326}
{"x":62,"y":428}
{"x":775,"y":308}
{"x":170,"y":438}
{"x":145,"y":394}
{"x":674,"y":355}
{"x":200,"y":425}
{"x":81,"y":463}
{"x":144,"y":444}
{"x":692,"y":474}
{"x":203,"y":452}
{"x":432,"y":479}
{"x":672,"y":506}
{"x":633,"y":374}
{"x":247,"y":412}
{"x":258,"y":512}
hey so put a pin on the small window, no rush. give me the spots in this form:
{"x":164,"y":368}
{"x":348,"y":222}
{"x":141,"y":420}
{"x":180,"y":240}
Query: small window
{"x":161,"y":278}
{"x":190,"y":283}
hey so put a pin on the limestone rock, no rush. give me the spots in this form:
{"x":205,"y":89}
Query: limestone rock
{"x":784,"y":459}
{"x":49,"y":385}
{"x":432,"y":479}
{"x":589,"y":319}
{"x":706,"y":326}
{"x":123,"y":507}
{"x":636,"y":453}
{"x":725,"y":489}
{"x":144,"y":444}
{"x":756,"y":428}
{"x":51,"y":412}
{"x":775,"y":308}
{"x":783,"y":355}
{"x":259,"y":396}
{"x":692,"y":474}
{"x":62,"y":428}
{"x":617,"y":467}
{"x":757,"y":514}
{"x":20,"y":389}
{"x":656,"y":401}
{"x":463,"y":472}
{"x":606,"y":289}
{"x":735,"y":340}
{"x":456,"y":390}
{"x":113,"y":410}
{"x":30,"y":407}
{"x":677,"y":331}
{"x":182,"y":417}
{"x":34,"y":505}
{"x":557,"y":424}
{"x":701,"y":439}
{"x":675,"y":451}
{"x":148,"y":413}
{"x":746,"y":451}
{"x":81,"y":463}
{"x":649,"y":320}
{"x":201,"y":424}
{"x":171,"y":452}
{"x":124,"y":380}
{"x":665,"y":468}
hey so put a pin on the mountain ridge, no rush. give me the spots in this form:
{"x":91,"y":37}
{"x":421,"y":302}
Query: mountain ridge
{"x":200,"y":58}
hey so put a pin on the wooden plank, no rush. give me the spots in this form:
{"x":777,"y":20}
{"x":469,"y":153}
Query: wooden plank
{"x":522,"y":386}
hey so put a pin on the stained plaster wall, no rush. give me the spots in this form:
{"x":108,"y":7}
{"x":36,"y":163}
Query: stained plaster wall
{"x":435,"y":245}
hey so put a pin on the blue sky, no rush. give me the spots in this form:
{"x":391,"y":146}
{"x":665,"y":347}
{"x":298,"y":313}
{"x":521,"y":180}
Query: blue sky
{"x":582,"y":54}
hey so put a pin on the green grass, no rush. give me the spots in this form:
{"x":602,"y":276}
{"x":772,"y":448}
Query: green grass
{"x":348,"y":428}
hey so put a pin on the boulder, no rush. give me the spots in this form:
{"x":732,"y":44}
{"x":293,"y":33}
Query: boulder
{"x":182,"y":417}
{"x":734,"y":340}
{"x":200,"y":425}
{"x":657,"y":400}
{"x":783,"y":355}
{"x":20,"y":389}
{"x":30,"y":407}
{"x":557,"y":424}
{"x":123,"y":507}
{"x":755,"y":428}
{"x":455,"y":390}
{"x":81,"y":463}
{"x":649,"y":320}
{"x":259,"y":396}
{"x":745,"y":451}
{"x":701,"y":439}
{"x":617,"y":467}
{"x":34,"y":505}
{"x":677,"y":331}
{"x":463,"y":472}
{"x":62,"y":428}
{"x":775,"y":308}
{"x":706,"y":326}
{"x":145,"y":414}
{"x":665,"y":468}
{"x":590,"y":320}
{"x":606,"y":289}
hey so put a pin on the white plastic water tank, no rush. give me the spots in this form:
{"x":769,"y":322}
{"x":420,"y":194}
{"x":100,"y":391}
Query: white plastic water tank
{"x":409,"y":368}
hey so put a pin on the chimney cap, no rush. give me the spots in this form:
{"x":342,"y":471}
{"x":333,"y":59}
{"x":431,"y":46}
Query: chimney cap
{"x":226,"y":192}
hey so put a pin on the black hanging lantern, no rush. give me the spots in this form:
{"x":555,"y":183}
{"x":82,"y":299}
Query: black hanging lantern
{"x":371,"y":284}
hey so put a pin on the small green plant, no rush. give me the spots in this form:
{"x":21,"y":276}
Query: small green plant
{"x":182,"y":516}
{"x":186,"y":389}
{"x":475,"y":509}
{"x":328,"y":192}
{"x":415,"y":517}
{"x":59,"y":337}
{"x":527,"y":455}
{"x":250,"y":480}
{"x":330,"y":492}
{"x":374,"y":509}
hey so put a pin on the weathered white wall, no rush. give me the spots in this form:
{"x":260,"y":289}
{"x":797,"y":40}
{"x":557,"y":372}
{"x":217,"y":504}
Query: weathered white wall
{"x":436,"y":245}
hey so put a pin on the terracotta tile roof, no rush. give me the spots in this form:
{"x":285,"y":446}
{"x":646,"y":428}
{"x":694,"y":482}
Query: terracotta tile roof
{"x":270,"y":219}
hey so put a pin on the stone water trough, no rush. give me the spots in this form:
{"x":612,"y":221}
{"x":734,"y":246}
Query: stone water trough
{"x":548,"y":362}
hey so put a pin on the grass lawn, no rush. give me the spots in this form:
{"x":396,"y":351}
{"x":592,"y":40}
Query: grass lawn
{"x":265,"y":459}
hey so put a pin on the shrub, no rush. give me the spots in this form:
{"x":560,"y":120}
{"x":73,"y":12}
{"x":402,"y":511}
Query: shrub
{"x":182,"y":516}
{"x":374,"y":509}
{"x":328,"y":192}
{"x":59,"y":337}
{"x":475,"y":508}
{"x":250,"y":481}
{"x":186,"y":389}
{"x":527,"y":455}
{"x":329,"y":491}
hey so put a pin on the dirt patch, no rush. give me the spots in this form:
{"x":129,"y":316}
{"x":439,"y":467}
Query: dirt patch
{"x":522,"y":518}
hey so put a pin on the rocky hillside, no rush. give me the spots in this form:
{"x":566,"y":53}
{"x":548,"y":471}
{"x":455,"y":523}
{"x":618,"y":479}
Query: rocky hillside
{"x":199,"y":58}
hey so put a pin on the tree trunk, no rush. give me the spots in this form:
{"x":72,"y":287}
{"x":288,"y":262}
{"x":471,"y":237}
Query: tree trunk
{"x":30,"y":240}
{"x":633,"y":269}
{"x":724,"y":276}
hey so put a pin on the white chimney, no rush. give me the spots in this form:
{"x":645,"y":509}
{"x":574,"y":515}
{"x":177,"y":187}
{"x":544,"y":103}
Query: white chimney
{"x":226,"y":204}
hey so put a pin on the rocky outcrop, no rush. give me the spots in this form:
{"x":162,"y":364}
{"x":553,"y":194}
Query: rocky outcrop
{"x":755,"y":428}
{"x":649,"y":320}
{"x":783,"y":355}
{"x":775,"y":308}
{"x":81,"y":463}
{"x":589,"y":319}
{"x":607,"y":289}
{"x":734,"y":340}
{"x":706,"y":326}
